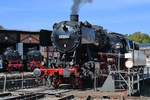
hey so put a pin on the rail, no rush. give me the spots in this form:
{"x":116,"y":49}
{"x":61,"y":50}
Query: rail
{"x":23,"y":97}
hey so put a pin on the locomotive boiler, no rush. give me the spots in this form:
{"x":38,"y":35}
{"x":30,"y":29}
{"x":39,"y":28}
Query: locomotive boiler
{"x":86,"y":51}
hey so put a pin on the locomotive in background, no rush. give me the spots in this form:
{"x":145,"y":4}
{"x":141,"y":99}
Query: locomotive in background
{"x":19,"y":41}
{"x":86,"y":50}
{"x":34,"y":59}
{"x":11,"y":60}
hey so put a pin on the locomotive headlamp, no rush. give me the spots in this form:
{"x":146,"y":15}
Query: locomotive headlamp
{"x":71,"y":63}
{"x":129,"y":64}
{"x":118,"y":46}
{"x":37,"y":72}
{"x":6,"y":38}
{"x":30,"y":38}
{"x":42,"y":62}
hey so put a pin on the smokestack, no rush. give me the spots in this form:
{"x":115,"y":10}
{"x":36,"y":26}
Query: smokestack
{"x":77,"y":5}
{"x":74,"y":17}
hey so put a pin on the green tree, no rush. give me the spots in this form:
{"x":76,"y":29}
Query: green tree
{"x":139,"y":37}
{"x":1,"y":27}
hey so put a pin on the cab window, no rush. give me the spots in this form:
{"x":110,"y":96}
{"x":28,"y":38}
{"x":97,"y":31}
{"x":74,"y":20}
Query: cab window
{"x":131,"y":44}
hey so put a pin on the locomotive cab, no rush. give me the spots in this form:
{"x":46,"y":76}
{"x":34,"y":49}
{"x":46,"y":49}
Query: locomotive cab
{"x":135,"y":54}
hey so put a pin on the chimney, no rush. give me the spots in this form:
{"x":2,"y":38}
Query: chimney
{"x":74,"y":17}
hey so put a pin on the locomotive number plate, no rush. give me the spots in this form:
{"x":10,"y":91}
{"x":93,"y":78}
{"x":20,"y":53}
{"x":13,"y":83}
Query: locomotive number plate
{"x":64,"y":36}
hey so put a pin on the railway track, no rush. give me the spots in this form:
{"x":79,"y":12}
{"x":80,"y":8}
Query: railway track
{"x":37,"y":94}
{"x":15,"y":81}
{"x":24,"y":86}
{"x":33,"y":97}
{"x":10,"y":96}
{"x":44,"y":93}
{"x":69,"y":97}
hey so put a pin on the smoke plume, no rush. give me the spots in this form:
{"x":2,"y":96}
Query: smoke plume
{"x":76,"y":5}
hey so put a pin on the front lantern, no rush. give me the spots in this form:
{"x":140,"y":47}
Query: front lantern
{"x":129,"y":64}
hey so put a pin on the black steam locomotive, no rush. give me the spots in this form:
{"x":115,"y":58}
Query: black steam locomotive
{"x":11,"y":60}
{"x":86,"y":49}
{"x":34,"y":59}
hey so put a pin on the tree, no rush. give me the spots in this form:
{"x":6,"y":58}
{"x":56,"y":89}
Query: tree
{"x":1,"y":27}
{"x":139,"y":37}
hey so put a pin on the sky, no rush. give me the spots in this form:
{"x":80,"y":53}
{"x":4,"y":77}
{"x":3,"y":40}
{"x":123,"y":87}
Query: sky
{"x":122,"y":16}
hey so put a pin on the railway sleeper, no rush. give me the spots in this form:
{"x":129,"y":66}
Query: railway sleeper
{"x":26,"y":97}
{"x":69,"y":97}
{"x":4,"y":94}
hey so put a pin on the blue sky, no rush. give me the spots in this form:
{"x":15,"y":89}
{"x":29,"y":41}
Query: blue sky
{"x":123,"y":16}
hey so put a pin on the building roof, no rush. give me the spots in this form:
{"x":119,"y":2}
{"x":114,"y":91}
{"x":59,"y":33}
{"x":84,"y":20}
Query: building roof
{"x":19,"y":31}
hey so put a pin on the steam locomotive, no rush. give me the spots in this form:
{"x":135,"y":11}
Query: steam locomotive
{"x":11,"y":60}
{"x":34,"y":59}
{"x":86,"y":50}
